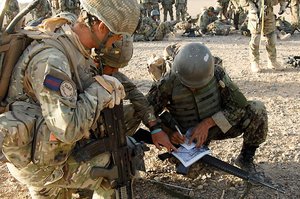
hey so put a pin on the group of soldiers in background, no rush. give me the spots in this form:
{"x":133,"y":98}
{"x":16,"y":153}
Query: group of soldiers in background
{"x":219,"y":20}
{"x":45,"y":9}
{"x":167,"y":5}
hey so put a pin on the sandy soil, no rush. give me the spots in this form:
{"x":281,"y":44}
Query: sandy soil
{"x":278,"y":157}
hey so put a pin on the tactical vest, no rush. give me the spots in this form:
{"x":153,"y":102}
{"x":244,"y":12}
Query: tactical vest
{"x":42,"y":152}
{"x":189,"y":108}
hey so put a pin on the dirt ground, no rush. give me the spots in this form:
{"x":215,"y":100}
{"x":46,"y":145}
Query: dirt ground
{"x":278,"y":157}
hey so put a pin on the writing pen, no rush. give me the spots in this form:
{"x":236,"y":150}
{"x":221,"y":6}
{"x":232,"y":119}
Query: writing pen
{"x":177,"y":128}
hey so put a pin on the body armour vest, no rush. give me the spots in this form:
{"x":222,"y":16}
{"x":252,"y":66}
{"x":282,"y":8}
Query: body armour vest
{"x":189,"y":108}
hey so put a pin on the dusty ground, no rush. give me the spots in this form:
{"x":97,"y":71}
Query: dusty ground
{"x":278,"y":157}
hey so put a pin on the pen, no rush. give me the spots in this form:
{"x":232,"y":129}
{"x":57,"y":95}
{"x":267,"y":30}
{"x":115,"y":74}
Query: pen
{"x":178,"y":130}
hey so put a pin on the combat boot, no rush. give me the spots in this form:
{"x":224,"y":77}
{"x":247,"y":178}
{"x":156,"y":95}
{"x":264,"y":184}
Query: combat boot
{"x":245,"y":159}
{"x":254,"y":67}
{"x":275,"y":65}
{"x":283,"y":36}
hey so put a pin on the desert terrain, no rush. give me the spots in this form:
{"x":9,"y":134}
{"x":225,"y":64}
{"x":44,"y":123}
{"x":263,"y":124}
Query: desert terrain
{"x":278,"y":158}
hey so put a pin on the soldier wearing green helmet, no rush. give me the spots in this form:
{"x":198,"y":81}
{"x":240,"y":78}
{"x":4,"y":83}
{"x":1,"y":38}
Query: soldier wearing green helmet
{"x":199,"y":94}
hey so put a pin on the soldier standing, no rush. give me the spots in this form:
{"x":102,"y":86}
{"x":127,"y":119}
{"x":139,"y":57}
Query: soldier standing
{"x":262,"y":21}
{"x":168,"y":7}
{"x":57,"y":96}
{"x":181,"y":9}
{"x":222,"y":8}
{"x":199,"y":94}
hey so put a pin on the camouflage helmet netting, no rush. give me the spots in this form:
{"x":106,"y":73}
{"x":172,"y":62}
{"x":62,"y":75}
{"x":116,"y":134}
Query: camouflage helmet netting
{"x":120,"y":16}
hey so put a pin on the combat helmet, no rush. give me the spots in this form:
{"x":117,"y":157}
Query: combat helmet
{"x":154,"y":13}
{"x":194,"y":65}
{"x":120,"y":54}
{"x":120,"y":16}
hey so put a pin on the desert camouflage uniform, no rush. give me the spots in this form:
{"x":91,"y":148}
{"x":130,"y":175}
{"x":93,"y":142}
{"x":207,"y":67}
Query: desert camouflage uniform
{"x":181,"y":9}
{"x":254,"y":25}
{"x":223,"y":102}
{"x":237,"y":13}
{"x":151,"y":30}
{"x":69,"y":107}
{"x":168,"y":7}
{"x":295,"y":13}
{"x":42,"y":10}
{"x":12,"y":10}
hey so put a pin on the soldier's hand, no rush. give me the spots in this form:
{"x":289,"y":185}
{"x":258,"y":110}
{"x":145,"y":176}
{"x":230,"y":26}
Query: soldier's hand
{"x":114,"y":87}
{"x":177,"y":138}
{"x":200,"y":132}
{"x":161,"y":139}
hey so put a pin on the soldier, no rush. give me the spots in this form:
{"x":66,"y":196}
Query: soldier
{"x":199,"y":94}
{"x":139,"y":108}
{"x":151,"y":29}
{"x":57,"y":95}
{"x":207,"y":17}
{"x":168,"y":7}
{"x":42,"y":10}
{"x":181,"y":9}
{"x":222,"y":7}
{"x":12,"y":10}
{"x":295,"y":13}
{"x":268,"y":30}
{"x":236,"y":13}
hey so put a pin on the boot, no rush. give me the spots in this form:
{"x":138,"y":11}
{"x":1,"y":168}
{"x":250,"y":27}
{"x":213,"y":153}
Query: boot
{"x":275,"y":65}
{"x":283,"y":36}
{"x":246,"y":157}
{"x":254,"y":67}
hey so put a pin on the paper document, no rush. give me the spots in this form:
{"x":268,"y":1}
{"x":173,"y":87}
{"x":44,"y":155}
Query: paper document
{"x":189,"y":154}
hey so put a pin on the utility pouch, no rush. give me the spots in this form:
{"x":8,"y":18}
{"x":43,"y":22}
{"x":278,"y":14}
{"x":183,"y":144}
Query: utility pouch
{"x":16,"y":128}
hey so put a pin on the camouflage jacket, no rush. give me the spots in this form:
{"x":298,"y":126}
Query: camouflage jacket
{"x":148,"y":27}
{"x":70,"y":106}
{"x":141,"y":106}
{"x":42,"y":10}
{"x":12,"y":10}
{"x":233,"y":102}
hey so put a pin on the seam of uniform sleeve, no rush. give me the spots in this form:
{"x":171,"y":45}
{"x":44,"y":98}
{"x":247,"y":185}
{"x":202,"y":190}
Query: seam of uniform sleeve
{"x":221,"y":121}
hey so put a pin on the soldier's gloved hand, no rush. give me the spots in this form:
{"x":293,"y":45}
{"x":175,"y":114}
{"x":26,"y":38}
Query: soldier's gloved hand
{"x":114,"y":87}
{"x":161,"y":139}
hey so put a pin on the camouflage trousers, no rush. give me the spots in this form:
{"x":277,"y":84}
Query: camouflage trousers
{"x":180,"y":12}
{"x":295,"y":14}
{"x":253,"y":126}
{"x":168,"y":8}
{"x":62,"y":181}
{"x":270,"y":46}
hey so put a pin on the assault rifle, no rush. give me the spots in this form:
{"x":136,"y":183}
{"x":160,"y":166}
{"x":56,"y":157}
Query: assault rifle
{"x":252,"y":178}
{"x":127,"y":154}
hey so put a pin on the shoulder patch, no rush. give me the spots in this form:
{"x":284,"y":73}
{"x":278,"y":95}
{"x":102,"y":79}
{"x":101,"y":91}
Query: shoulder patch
{"x":52,"y":83}
{"x":67,"y":89}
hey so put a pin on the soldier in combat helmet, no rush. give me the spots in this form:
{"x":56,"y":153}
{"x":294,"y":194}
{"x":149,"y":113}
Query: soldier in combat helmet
{"x":199,"y":94}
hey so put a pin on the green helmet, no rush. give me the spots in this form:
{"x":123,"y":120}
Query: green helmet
{"x":120,"y":54}
{"x":120,"y":16}
{"x":194,"y":65}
